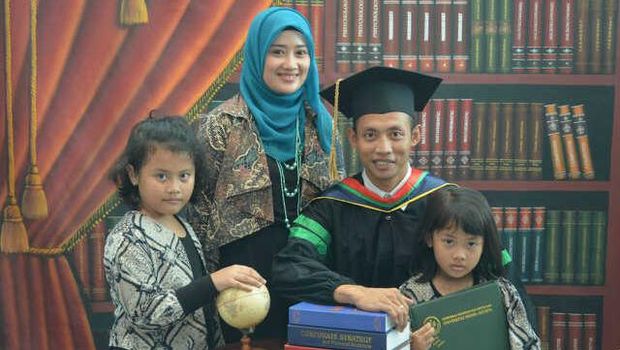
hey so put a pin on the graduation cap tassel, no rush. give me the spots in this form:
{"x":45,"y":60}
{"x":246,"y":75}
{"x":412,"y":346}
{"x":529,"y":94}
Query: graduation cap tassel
{"x":13,"y":236}
{"x":34,"y":201}
{"x":133,"y":12}
{"x":333,"y":166}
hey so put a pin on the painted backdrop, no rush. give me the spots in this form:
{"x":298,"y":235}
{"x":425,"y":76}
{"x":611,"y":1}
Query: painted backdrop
{"x":77,"y":74}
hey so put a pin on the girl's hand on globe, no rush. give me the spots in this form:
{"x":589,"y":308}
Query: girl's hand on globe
{"x":237,"y":276}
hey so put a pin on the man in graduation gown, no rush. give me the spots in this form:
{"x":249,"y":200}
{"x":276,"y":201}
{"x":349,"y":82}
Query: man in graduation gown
{"x":353,"y":244}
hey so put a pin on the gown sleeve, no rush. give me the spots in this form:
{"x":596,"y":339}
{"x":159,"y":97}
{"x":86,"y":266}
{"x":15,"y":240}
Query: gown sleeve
{"x":302,"y":269}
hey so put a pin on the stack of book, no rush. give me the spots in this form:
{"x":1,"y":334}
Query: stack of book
{"x":313,"y":326}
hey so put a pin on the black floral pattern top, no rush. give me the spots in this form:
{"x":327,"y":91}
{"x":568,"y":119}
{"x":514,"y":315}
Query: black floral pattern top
{"x":238,"y":200}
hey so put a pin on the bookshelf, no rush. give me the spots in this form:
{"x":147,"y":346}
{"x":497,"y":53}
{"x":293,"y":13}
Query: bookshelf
{"x":599,"y":92}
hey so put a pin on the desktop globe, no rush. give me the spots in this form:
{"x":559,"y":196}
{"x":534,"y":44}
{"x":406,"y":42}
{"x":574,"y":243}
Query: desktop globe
{"x":243,"y":309}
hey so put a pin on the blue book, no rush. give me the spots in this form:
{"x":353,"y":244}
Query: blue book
{"x":348,"y":339}
{"x":344,"y":317}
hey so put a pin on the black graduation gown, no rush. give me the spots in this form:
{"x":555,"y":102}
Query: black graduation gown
{"x":350,"y":235}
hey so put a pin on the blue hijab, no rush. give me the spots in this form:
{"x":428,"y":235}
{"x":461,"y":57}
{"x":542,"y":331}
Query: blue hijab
{"x":275,"y":114}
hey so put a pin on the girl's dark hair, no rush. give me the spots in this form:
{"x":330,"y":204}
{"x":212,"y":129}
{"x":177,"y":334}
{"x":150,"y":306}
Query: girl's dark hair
{"x":463,"y":208}
{"x":170,"y":132}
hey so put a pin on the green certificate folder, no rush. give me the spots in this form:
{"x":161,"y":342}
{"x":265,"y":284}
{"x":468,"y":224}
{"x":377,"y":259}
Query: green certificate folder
{"x":474,"y":318}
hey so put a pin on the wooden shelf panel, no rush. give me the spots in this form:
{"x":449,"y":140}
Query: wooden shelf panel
{"x":102,"y":307}
{"x":505,"y":79}
{"x":566,"y":290}
{"x":543,"y":186}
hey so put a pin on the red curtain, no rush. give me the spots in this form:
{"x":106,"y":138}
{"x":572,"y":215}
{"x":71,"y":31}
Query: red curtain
{"x":96,"y":79}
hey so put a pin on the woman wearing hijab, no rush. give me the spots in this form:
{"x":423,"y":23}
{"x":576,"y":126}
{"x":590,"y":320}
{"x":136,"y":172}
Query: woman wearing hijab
{"x":269,"y":151}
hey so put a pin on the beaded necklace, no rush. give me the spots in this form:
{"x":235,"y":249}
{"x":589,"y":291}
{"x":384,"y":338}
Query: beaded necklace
{"x":285,"y":192}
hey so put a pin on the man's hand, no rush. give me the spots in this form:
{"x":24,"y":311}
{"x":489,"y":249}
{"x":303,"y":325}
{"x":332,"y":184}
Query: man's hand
{"x":388,"y":300}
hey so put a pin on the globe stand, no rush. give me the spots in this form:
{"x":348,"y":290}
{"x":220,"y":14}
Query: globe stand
{"x":246,"y":340}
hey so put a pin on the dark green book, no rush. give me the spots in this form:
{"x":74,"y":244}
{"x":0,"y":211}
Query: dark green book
{"x":491,"y":35}
{"x":524,"y":233}
{"x":569,"y":241}
{"x":477,"y":36}
{"x":459,"y":317}
{"x":552,"y":256}
{"x":504,"y":36}
{"x":599,"y":223}
{"x":584,"y":226}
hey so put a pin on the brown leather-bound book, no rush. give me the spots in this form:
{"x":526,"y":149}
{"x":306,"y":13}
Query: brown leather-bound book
{"x":427,"y":36}
{"x":555,"y":141}
{"x":575,"y":329}
{"x":582,"y":36}
{"x":589,"y":331}
{"x":437,"y":130}
{"x":567,"y":34}
{"x":344,"y":46}
{"x":360,"y":35}
{"x":423,"y":150}
{"x":550,"y":38}
{"x":478,"y":140}
{"x":519,"y":36}
{"x":570,"y":148}
{"x":535,"y":141}
{"x":409,"y":36}
{"x":609,"y":35}
{"x":317,"y":14}
{"x":535,"y":34}
{"x":443,"y":35}
{"x":596,"y":37}
{"x":391,"y":33}
{"x":558,"y":330}
{"x":375,"y":45}
{"x":96,"y":243}
{"x":506,"y":152}
{"x":461,"y":37}
{"x":80,"y":258}
{"x":491,"y":161}
{"x":580,"y":127}
{"x":543,"y":314}
{"x":450,"y":142}
{"x":464,"y":137}
{"x":521,"y":140}
{"x":303,"y":6}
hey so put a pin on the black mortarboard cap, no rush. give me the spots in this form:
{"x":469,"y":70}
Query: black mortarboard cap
{"x":380,"y":90}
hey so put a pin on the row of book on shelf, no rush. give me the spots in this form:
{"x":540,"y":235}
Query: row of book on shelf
{"x":462,"y":139}
{"x":554,"y":246}
{"x":566,"y":331}
{"x":490,"y":36}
